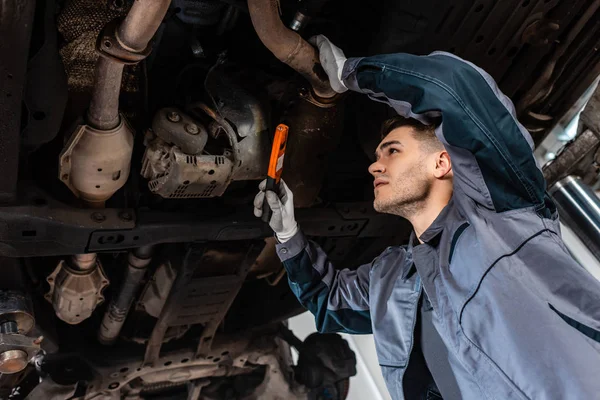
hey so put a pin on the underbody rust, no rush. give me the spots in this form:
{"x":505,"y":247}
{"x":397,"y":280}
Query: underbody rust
{"x":135,"y":134}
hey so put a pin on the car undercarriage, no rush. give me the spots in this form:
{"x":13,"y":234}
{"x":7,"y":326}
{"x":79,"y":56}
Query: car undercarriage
{"x":133,"y":136}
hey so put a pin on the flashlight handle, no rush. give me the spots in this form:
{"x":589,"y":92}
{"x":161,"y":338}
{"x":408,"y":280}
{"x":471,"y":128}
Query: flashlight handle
{"x":267,"y":213}
{"x":275,"y":167}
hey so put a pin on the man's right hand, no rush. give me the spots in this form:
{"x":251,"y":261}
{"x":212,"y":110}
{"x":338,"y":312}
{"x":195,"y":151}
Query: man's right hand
{"x":332,"y":59}
{"x":282,"y":221}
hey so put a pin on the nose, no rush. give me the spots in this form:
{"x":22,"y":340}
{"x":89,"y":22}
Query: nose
{"x":377,"y":168}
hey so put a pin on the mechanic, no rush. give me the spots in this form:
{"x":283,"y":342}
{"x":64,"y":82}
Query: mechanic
{"x":485,"y":302}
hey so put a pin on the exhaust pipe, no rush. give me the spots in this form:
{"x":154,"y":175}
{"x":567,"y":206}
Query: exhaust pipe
{"x":579,"y":208}
{"x":288,"y":46}
{"x":95,"y":162}
{"x":118,"y":309}
{"x":125,"y":43}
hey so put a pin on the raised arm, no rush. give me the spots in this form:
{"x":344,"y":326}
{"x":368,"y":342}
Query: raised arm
{"x":491,"y":151}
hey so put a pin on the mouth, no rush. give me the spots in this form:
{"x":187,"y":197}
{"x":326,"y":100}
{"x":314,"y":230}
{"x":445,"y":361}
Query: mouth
{"x":379,"y":182}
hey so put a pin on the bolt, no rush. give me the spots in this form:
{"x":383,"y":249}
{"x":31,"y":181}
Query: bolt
{"x":98,"y":217}
{"x":192,"y":129}
{"x":173,"y":116}
{"x":125,"y":216}
{"x":9,"y":327}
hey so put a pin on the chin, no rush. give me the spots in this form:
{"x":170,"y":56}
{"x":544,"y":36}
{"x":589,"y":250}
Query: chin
{"x":379,"y":205}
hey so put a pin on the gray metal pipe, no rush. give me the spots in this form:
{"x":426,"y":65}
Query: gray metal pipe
{"x":141,"y":23}
{"x":117,"y":310}
{"x":288,"y":46}
{"x":579,"y":209}
{"x":134,"y":34}
{"x":83,"y":262}
{"x":103,"y":112}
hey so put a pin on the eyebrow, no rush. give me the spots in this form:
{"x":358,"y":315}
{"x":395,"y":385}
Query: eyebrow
{"x":385,"y":145}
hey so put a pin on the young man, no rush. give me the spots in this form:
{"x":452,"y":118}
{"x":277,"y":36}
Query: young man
{"x":485,"y":302}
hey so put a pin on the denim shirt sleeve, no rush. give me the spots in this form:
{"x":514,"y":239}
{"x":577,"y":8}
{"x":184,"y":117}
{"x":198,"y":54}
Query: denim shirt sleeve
{"x":339,"y":299}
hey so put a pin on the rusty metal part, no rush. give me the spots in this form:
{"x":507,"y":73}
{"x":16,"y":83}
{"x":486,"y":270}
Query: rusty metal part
{"x":288,"y":46}
{"x":173,"y":116}
{"x":538,"y":32}
{"x":535,"y":122}
{"x":16,"y":351}
{"x":590,"y":116}
{"x":207,"y":280}
{"x":182,"y":374}
{"x":76,"y":291}
{"x":57,"y":229}
{"x":543,"y":86}
{"x":83,"y":262}
{"x":267,"y":262}
{"x":150,"y":304}
{"x":267,"y":265}
{"x":219,"y":293}
{"x":103,"y":112}
{"x":172,"y":173}
{"x":231,"y":355}
{"x":12,"y":361}
{"x":314,"y":132}
{"x":141,"y":23}
{"x":194,"y":388}
{"x":16,"y":307}
{"x":185,"y":271}
{"x":110,"y":47}
{"x":180,"y":171}
{"x":79,"y":23}
{"x":128,"y":44}
{"x":177,"y":128}
{"x":16,"y":320}
{"x":157,"y":290}
{"x":117,"y":310}
{"x":94,"y":163}
{"x":575,"y":158}
{"x":223,"y":124}
{"x":274,"y":281}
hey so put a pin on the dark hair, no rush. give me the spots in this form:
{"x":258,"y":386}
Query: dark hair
{"x":425,"y":134}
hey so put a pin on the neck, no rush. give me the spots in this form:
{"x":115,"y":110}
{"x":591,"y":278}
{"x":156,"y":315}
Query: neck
{"x":428,"y":212}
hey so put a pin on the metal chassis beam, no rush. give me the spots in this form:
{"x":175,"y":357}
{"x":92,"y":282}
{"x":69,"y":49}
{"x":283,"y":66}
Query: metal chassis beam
{"x":58,"y":229}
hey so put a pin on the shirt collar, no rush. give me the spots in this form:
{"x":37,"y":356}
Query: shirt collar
{"x":430,"y":236}
{"x":437,"y":226}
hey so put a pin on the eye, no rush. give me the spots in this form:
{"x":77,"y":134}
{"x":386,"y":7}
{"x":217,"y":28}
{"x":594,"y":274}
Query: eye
{"x":392,"y":150}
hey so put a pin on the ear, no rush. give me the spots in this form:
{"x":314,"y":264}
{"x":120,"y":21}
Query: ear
{"x":443,"y":165}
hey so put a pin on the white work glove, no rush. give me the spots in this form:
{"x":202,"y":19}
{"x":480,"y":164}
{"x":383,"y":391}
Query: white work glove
{"x":282,"y":221}
{"x":332,"y":59}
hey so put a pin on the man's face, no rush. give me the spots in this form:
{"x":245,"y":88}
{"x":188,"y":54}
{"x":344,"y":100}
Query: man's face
{"x":402,"y":180}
